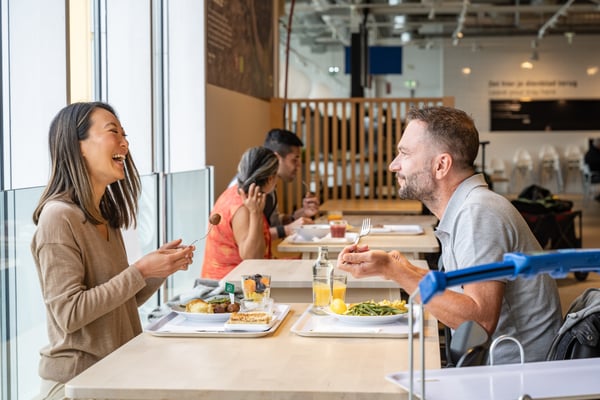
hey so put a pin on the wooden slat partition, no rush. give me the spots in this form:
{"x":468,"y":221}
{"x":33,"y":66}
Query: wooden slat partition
{"x":348,"y":145}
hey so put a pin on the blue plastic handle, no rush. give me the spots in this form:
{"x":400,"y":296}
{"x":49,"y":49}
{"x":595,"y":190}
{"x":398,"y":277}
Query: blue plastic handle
{"x":557,"y":263}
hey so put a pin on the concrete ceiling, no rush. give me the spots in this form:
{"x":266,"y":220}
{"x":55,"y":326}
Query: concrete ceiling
{"x":321,"y":24}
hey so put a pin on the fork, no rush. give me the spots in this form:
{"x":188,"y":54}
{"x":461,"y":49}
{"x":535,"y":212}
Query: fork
{"x":364,"y":230}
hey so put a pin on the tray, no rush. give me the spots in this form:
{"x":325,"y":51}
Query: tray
{"x":311,"y":324}
{"x":572,"y":379}
{"x":176,"y":325}
{"x":350,"y":237}
{"x":397,"y":230}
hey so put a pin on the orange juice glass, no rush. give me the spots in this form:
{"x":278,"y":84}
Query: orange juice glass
{"x":339,"y":287}
{"x":321,"y":292}
{"x":334,"y":216}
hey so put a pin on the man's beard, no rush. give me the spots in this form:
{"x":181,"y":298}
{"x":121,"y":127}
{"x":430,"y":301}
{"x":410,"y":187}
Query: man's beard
{"x":418,"y":186}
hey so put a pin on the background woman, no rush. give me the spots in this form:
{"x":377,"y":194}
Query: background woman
{"x":90,"y":290}
{"x":243,"y":232}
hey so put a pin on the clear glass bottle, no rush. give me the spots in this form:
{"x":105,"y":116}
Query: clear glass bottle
{"x":322,"y":270}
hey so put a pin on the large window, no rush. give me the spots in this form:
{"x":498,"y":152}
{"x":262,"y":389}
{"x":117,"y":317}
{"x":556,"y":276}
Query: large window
{"x":146,"y":58}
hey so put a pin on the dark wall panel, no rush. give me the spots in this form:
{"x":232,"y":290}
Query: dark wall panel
{"x":545,"y":115}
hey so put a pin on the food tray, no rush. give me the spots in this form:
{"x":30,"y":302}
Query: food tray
{"x":350,"y":237}
{"x":311,"y":324}
{"x":397,"y":230}
{"x":176,"y":325}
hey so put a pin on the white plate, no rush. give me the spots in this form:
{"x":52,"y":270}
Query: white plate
{"x":201,"y":317}
{"x":279,"y":312}
{"x":367,"y":319}
{"x":249,"y":327}
{"x":397,"y":230}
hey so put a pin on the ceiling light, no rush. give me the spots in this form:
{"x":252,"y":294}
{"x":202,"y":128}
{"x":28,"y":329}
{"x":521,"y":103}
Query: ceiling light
{"x":431,"y":14}
{"x":406,"y":37}
{"x":399,"y":21}
{"x":592,"y":71}
{"x":570,"y":36}
{"x":526,"y":65}
{"x":466,"y":71}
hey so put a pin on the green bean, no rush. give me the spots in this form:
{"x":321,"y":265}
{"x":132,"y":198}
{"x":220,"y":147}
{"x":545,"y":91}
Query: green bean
{"x":371,"y":309}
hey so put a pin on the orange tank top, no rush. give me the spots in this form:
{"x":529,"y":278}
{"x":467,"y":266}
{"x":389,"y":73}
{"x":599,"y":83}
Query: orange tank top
{"x":221,"y":253}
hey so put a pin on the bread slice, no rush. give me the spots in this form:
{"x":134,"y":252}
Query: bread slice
{"x":199,"y":306}
{"x":250,"y":318}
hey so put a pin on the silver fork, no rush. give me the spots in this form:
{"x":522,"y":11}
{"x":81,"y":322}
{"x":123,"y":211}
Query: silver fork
{"x":364,"y":230}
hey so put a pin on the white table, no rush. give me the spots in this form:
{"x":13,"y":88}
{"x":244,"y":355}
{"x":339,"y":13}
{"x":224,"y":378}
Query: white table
{"x":373,"y":206}
{"x":291,"y":281}
{"x":566,"y":379}
{"x":413,"y":245}
{"x":283,"y":366}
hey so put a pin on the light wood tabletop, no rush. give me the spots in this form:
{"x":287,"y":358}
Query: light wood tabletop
{"x":414,"y":246}
{"x":373,"y":206}
{"x":291,"y":281}
{"x":281,"y":366}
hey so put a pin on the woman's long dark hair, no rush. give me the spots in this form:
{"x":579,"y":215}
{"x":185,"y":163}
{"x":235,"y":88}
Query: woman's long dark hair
{"x":70,"y":179}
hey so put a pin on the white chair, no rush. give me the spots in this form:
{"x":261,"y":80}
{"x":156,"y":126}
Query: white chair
{"x":522,"y":172}
{"x":498,"y":175}
{"x":590,"y":179}
{"x":573,"y":167}
{"x":550,"y":172}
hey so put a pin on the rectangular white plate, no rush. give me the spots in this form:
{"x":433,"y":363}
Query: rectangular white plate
{"x":397,"y":230}
{"x":310,"y":324}
{"x":176,"y":325}
{"x":350,"y":237}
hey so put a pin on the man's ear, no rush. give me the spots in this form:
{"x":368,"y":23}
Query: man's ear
{"x":443,"y":164}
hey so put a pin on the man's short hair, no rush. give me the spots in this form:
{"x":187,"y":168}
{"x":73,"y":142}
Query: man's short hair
{"x":282,"y":141}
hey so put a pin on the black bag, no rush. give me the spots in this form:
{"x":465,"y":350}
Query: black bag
{"x":581,"y":341}
{"x":535,"y":199}
{"x":579,"y":336}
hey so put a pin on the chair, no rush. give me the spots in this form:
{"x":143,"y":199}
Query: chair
{"x":590,"y":178}
{"x":522,"y":172}
{"x":467,"y":346}
{"x":498,"y":175}
{"x":574,"y":166}
{"x":550,"y":169}
{"x":557,"y":230}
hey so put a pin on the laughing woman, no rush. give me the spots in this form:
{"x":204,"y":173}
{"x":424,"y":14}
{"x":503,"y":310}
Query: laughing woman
{"x":90,"y":291}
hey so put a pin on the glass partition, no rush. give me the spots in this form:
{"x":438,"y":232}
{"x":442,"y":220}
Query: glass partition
{"x":23,"y":312}
{"x":187,"y":202}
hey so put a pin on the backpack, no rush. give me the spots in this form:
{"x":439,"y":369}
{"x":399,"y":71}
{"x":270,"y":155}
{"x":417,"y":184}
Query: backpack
{"x":535,"y":199}
{"x":579,"y":336}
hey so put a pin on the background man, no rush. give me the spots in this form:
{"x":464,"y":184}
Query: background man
{"x":288,"y":146}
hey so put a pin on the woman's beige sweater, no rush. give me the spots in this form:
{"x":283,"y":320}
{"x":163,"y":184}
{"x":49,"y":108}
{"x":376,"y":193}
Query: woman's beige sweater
{"x":91,"y":293}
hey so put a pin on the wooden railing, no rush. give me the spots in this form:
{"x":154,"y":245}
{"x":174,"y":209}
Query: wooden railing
{"x":348,"y":145}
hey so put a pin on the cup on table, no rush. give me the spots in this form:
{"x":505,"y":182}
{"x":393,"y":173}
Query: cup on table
{"x":256,"y":287}
{"x":334,"y":215}
{"x":321,"y":292}
{"x":264,"y":305}
{"x":340,"y":282}
{"x":337,"y":228}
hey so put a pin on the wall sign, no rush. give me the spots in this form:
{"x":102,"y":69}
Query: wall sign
{"x":545,"y":115}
